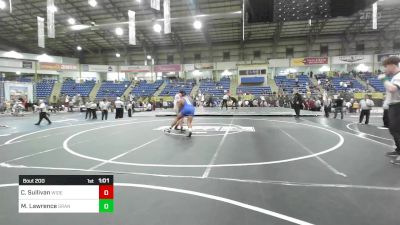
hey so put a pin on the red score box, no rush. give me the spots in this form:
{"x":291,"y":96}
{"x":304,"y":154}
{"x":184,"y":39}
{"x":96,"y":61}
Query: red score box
{"x":106,"y":192}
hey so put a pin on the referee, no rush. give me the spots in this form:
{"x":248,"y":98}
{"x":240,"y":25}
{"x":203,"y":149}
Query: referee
{"x":393,"y":99}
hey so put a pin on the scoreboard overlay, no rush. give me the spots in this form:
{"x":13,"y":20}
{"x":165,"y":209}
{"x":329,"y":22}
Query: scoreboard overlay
{"x":66,"y":194}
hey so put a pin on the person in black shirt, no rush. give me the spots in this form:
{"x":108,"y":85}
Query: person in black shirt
{"x":297,"y":103}
{"x":339,"y":107}
{"x":234,"y":102}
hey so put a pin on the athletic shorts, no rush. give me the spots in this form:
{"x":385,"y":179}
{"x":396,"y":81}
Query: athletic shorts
{"x":187,"y":111}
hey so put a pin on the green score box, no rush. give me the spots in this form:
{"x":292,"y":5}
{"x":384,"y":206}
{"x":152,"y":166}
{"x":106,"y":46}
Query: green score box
{"x":106,"y":206}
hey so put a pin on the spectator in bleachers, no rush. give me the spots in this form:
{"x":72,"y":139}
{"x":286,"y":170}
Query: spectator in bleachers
{"x":366,"y":105}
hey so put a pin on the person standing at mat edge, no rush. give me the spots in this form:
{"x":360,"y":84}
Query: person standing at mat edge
{"x":225,"y":101}
{"x":366,"y":105}
{"x":43,"y":113}
{"x":392,"y":86}
{"x":119,"y":108}
{"x":104,"y":106}
{"x":297,"y":103}
{"x":338,"y":107}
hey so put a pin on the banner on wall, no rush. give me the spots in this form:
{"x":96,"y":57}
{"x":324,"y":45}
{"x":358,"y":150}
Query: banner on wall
{"x":13,"y":91}
{"x":51,"y":30}
{"x":309,"y":61}
{"x":132,"y":27}
{"x":69,"y":67}
{"x":204,"y":66}
{"x":279,"y":63}
{"x":57,"y":66}
{"x":101,"y":68}
{"x":40,"y":23}
{"x":226,"y":66}
{"x":135,"y":69}
{"x":352,"y":59}
{"x":50,"y":66}
{"x":167,"y":17}
{"x":188,"y":67}
{"x":168,"y":68}
{"x":382,"y":57}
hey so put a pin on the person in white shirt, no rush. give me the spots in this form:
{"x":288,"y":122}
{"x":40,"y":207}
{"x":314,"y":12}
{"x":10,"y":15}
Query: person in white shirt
{"x":366,"y":105}
{"x":225,"y":99}
{"x":88,"y":110}
{"x":392,"y":86}
{"x":93,"y":108}
{"x":149,"y":107}
{"x":43,"y":113}
{"x":386,"y":113}
{"x":119,"y":108}
{"x":104,"y":106}
{"x":262,"y":98}
{"x":327,"y":107}
{"x":129,"y":108}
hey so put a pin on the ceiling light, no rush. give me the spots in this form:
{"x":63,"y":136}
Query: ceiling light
{"x":149,"y":57}
{"x":13,"y":54}
{"x":138,"y":1}
{"x":197,"y":25}
{"x":157,"y":28}
{"x":92,"y":3}
{"x":53,"y":8}
{"x":79,"y":27}
{"x":2,"y":4}
{"x":118,"y":55}
{"x":79,"y":48}
{"x":71,"y":21}
{"x":119,"y":31}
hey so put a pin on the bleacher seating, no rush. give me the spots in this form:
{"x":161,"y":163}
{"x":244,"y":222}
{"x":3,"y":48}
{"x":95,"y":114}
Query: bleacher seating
{"x":214,"y":88}
{"x":71,"y":88}
{"x":252,"y":80}
{"x":377,"y":84}
{"x":356,"y":85}
{"x":320,"y":76}
{"x":146,"y":89}
{"x":289,"y":84}
{"x":44,"y":88}
{"x":174,"y":87}
{"x":26,"y":80}
{"x":255,"y":90}
{"x":109,"y":89}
